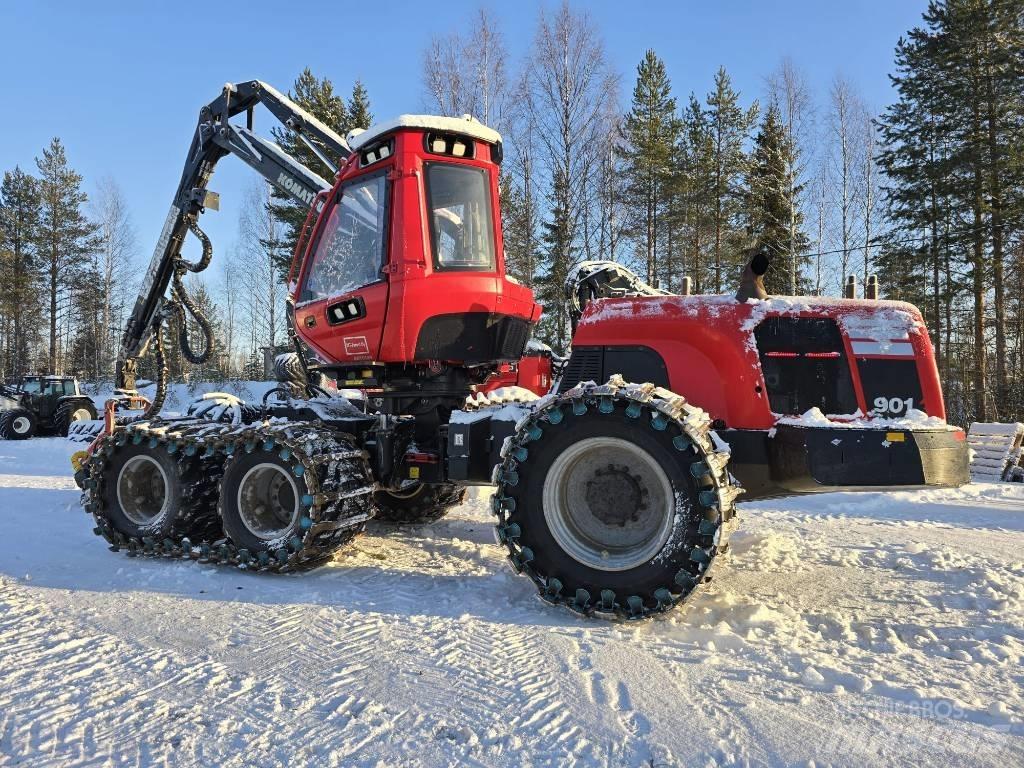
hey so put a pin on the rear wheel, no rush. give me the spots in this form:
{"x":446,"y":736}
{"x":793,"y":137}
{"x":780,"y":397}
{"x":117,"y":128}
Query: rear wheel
{"x":68,"y":413}
{"x":612,"y":499}
{"x":143,"y":494}
{"x":420,"y":503}
{"x":17,"y":424}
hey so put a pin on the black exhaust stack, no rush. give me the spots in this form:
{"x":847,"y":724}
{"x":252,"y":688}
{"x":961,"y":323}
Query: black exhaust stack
{"x":752,"y":279}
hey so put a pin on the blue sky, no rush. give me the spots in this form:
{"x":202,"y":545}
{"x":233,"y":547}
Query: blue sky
{"x":121,"y":82}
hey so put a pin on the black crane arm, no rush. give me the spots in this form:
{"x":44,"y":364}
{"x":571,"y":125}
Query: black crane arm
{"x":215,"y":136}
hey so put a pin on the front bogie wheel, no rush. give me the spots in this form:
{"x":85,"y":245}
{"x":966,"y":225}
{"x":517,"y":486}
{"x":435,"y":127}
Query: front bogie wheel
{"x":614,"y":499}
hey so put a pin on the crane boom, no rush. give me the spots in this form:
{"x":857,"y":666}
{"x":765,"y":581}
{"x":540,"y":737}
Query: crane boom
{"x":215,"y":136}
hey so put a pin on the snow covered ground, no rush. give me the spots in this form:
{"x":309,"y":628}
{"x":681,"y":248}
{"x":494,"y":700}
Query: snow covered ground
{"x":870,"y":629}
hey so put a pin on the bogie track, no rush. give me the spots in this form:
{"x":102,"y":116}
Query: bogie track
{"x":185,"y":465}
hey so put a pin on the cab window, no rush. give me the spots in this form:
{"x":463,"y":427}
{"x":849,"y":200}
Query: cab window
{"x":461,"y":223}
{"x":350,"y":251}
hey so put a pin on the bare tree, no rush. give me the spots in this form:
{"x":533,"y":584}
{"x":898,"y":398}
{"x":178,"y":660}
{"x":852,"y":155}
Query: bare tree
{"x":468,"y":74}
{"x":569,"y":90}
{"x":789,"y":91}
{"x":869,"y":186}
{"x":112,"y":262}
{"x":230,"y":307}
{"x":844,"y":159}
{"x":259,"y":238}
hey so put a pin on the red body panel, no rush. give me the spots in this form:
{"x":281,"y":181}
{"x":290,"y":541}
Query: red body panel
{"x":532,"y":372}
{"x":411,"y":291}
{"x":708,"y":346}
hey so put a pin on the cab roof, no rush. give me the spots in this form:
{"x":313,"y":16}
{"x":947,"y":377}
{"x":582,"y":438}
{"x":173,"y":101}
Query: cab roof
{"x":465,"y":125}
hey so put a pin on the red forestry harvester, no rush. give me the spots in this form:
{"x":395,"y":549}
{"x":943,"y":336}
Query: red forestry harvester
{"x":614,"y":491}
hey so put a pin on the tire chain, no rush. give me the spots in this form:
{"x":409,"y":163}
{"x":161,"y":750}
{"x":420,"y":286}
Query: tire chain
{"x":662,"y":408}
{"x":335,"y":470}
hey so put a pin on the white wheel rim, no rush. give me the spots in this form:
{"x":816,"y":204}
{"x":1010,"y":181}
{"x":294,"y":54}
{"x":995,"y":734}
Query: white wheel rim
{"x":81,"y":415}
{"x":142,"y":490}
{"x":268,"y":501}
{"x":608,"y":504}
{"x":21,"y":425}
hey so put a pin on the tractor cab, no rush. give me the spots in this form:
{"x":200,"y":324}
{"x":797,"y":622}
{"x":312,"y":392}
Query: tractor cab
{"x":401,"y":281}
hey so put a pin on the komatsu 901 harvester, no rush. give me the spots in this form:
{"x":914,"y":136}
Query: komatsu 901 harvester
{"x":614,"y":492}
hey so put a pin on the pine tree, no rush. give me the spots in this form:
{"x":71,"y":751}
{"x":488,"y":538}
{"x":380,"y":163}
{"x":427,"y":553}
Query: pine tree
{"x":318,"y":97}
{"x":359,"y":115}
{"x":65,"y":238}
{"x":19,"y":224}
{"x":956,"y":187}
{"x":693,"y":185}
{"x":730,"y":126}
{"x":769,"y":205}
{"x":519,"y":228}
{"x":559,"y":254}
{"x":650,"y":131}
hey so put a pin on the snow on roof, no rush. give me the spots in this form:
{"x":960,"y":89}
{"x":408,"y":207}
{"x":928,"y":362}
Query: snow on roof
{"x":466,"y":125}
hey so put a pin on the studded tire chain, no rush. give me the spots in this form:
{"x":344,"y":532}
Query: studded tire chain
{"x":662,"y":410}
{"x":334,"y":510}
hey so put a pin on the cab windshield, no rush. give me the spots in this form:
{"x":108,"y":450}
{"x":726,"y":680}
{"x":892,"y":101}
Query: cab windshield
{"x":30,"y":385}
{"x":461,"y":225}
{"x":350,"y":251}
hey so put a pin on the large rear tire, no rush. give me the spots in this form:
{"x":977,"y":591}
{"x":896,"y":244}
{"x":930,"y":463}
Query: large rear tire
{"x":70,"y":412}
{"x":17,"y":424}
{"x":612,"y":499}
{"x":422,"y":503}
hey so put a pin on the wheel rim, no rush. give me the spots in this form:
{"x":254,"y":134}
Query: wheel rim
{"x":142,"y":490}
{"x":608,"y":504}
{"x":21,"y":425}
{"x":81,"y":414}
{"x":268,"y":501}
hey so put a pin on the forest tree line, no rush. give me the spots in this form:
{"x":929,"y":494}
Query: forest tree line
{"x":925,"y":192}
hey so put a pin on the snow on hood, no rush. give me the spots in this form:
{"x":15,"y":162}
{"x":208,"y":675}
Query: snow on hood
{"x":914,"y":420}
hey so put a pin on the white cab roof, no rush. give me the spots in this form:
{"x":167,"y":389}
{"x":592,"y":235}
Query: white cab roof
{"x":466,"y":125}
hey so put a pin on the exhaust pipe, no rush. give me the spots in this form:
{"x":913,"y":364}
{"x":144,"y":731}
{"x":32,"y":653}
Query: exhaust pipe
{"x":752,"y":279}
{"x":871,"y":287}
{"x":850,"y":289}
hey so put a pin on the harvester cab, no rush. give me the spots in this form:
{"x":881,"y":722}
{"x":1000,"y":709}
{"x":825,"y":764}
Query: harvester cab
{"x":428,"y":310}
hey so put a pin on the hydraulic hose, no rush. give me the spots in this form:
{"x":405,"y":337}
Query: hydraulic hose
{"x":161,"y":374}
{"x":182,"y":305}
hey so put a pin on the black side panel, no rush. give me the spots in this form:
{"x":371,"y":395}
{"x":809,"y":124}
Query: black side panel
{"x":585,"y":364}
{"x":473,"y":337}
{"x":637,"y":364}
{"x":893,"y":380}
{"x":804,"y":365}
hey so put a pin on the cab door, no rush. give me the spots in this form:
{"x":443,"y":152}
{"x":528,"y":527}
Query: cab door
{"x":343,"y":296}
